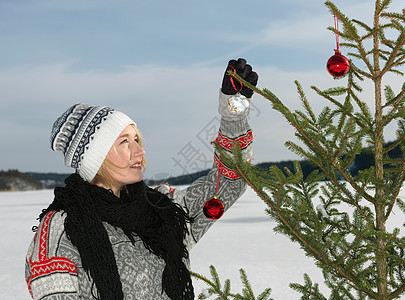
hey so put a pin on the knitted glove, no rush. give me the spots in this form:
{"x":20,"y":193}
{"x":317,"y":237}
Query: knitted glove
{"x":243,"y":70}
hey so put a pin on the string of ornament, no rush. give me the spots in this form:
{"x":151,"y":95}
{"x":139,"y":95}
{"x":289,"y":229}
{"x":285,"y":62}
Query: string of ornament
{"x":214,"y":208}
{"x":337,"y":65}
{"x":237,"y":104}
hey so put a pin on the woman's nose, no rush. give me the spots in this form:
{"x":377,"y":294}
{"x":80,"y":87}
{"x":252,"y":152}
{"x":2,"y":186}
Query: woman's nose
{"x":137,"y":149}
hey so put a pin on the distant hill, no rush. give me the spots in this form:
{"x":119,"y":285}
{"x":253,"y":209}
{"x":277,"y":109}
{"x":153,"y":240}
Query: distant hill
{"x":49,"y":180}
{"x":362,"y":161}
{"x":13,"y":180}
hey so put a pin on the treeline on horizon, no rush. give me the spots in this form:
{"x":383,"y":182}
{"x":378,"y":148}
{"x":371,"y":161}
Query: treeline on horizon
{"x":363,"y":161}
{"x":15,"y":180}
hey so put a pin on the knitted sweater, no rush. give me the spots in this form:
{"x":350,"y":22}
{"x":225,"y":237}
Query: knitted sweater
{"x":53,"y":265}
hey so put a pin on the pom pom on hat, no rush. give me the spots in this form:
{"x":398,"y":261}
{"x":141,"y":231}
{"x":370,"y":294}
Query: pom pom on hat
{"x":85,"y":134}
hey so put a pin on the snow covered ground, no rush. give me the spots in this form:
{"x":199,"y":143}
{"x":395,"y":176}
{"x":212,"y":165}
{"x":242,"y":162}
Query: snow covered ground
{"x":242,"y":238}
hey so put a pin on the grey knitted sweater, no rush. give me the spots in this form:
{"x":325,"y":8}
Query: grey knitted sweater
{"x":53,"y":264}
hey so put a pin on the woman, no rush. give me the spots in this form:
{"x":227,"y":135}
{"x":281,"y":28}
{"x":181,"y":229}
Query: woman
{"x":107,"y":235}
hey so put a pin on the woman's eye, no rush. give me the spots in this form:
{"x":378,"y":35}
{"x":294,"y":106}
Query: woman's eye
{"x":124,"y":141}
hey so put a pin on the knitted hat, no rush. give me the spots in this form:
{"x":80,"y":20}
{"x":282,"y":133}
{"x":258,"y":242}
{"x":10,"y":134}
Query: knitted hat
{"x":85,"y":134}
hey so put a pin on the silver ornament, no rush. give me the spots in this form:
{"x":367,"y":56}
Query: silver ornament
{"x":238,"y":104}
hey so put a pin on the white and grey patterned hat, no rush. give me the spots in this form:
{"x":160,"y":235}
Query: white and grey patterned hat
{"x":85,"y":134}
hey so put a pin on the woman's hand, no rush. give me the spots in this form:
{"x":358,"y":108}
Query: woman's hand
{"x":231,"y":86}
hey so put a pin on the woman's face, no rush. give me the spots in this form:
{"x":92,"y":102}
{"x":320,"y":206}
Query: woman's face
{"x":125,"y":157}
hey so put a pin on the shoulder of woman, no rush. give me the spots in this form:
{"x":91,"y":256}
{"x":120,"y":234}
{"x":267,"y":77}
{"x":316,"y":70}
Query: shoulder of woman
{"x":54,"y":217}
{"x":52,"y":225}
{"x":48,"y":236}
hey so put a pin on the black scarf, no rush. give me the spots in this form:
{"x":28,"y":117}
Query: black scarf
{"x":142,"y":211}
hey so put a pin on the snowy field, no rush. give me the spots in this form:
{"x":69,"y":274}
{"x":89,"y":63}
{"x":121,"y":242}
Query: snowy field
{"x":242,"y":238}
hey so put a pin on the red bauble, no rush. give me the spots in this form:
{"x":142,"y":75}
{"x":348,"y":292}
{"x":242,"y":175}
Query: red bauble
{"x":214,"y":208}
{"x":337,"y":65}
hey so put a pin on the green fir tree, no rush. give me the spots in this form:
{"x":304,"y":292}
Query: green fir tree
{"x":341,"y":222}
{"x":224,"y":292}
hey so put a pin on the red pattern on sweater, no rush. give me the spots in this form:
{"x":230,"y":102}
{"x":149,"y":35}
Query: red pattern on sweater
{"x":46,"y":266}
{"x":225,"y":171}
{"x":227,"y":143}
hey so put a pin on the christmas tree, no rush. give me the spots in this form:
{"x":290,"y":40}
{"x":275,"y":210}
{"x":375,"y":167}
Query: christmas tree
{"x":339,"y":218}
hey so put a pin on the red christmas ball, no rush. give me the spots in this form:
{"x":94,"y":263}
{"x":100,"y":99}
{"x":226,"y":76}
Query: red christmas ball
{"x":214,"y":208}
{"x":337,"y":65}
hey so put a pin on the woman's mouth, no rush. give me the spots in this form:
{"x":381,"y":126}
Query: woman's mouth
{"x":136,"y":165}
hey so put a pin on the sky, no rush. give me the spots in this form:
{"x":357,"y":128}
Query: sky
{"x":161,"y":63}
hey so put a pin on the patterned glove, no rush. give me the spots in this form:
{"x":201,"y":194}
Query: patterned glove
{"x":230,"y":86}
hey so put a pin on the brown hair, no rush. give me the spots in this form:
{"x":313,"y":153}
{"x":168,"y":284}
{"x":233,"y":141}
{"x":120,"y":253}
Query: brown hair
{"x":104,"y":176}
